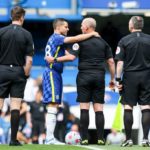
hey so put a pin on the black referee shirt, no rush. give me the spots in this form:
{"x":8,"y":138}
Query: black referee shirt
{"x":92,"y":54}
{"x":15,"y":44}
{"x":134,"y":50}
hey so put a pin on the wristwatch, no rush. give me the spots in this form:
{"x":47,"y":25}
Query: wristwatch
{"x":55,"y":60}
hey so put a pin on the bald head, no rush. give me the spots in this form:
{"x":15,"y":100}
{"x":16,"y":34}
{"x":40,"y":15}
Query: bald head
{"x":136,"y":23}
{"x":88,"y":25}
{"x":90,"y":22}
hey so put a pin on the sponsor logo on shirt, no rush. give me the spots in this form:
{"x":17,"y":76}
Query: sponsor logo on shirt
{"x":118,"y":50}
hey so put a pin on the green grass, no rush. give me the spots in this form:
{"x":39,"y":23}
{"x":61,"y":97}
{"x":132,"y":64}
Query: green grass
{"x":69,"y":147}
{"x":111,"y":147}
{"x":41,"y":147}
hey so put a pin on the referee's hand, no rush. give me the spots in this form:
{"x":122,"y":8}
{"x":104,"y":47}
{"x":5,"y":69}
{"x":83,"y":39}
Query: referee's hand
{"x":119,"y":85}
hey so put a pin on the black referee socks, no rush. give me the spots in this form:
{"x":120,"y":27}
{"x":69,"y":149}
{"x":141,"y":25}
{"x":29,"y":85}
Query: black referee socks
{"x":145,"y":122}
{"x":99,"y":121}
{"x":128,"y":122}
{"x":15,"y":116}
{"x":84,"y":123}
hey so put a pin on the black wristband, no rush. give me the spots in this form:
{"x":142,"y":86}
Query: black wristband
{"x":118,"y":79}
{"x":55,"y":60}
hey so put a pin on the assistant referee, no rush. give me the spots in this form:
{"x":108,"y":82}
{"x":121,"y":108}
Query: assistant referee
{"x":133,"y":55}
{"x":16,"y":51}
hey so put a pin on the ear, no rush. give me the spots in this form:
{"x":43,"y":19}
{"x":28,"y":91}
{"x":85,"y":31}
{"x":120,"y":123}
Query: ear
{"x":86,"y":28}
{"x":22,"y":20}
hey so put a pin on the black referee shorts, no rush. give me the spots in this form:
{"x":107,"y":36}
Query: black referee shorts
{"x":90,"y":87}
{"x":136,"y":88}
{"x":12,"y":81}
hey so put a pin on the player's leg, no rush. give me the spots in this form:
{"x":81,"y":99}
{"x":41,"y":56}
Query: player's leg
{"x":52,"y":91}
{"x":51,"y":124}
{"x":50,"y":121}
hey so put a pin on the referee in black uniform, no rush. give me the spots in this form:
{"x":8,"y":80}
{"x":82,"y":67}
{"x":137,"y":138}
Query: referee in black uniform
{"x":92,"y":54}
{"x":133,"y":55}
{"x":16,"y":51}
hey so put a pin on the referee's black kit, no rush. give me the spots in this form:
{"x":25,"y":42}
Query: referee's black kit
{"x":15,"y":44}
{"x":134,"y":51}
{"x":92,"y":54}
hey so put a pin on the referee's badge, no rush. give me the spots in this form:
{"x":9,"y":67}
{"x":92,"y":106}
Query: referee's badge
{"x":118,"y":50}
{"x":75,"y":47}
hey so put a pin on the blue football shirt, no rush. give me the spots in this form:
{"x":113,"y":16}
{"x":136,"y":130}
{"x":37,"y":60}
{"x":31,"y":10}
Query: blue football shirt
{"x":55,"y":49}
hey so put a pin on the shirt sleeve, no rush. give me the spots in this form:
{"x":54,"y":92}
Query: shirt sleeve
{"x":75,"y":49}
{"x":30,"y":46}
{"x":108,"y":52}
{"x":120,"y":51}
{"x":60,"y":39}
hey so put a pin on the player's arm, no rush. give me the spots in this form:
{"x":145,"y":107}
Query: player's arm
{"x":111,"y":66}
{"x":66,"y":57}
{"x":80,"y":37}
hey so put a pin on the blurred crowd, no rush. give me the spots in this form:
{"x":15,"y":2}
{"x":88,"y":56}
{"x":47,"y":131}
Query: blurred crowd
{"x":32,"y":117}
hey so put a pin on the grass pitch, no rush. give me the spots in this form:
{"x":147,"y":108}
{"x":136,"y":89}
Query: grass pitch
{"x":70,"y":147}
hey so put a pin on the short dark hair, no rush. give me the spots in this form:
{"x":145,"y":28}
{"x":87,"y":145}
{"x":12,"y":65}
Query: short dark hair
{"x":58,"y":21}
{"x":138,"y":22}
{"x":17,"y":12}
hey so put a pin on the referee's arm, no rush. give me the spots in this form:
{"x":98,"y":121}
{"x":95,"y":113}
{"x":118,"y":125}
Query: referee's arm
{"x":111,"y":66}
{"x":28,"y":65}
{"x":119,"y":68}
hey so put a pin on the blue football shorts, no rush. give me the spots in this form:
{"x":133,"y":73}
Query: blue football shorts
{"x":52,"y":86}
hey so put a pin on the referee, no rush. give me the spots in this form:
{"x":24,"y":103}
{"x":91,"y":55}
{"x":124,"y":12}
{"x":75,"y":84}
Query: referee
{"x":16,"y":51}
{"x":133,"y":55}
{"x":92,"y":54}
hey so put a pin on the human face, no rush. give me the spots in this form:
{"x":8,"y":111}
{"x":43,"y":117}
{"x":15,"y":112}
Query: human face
{"x":84,"y":27}
{"x":64,"y":29}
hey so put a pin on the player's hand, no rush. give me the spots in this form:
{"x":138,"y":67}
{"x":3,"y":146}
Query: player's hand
{"x":112,"y":85}
{"x":96,"y":34}
{"x":49,"y":59}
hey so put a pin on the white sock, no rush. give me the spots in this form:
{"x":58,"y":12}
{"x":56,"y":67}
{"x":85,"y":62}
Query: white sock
{"x":40,"y":139}
{"x":50,"y":122}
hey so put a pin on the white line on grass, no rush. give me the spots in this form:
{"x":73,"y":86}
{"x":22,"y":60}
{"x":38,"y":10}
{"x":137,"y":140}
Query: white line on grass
{"x":90,"y":147}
